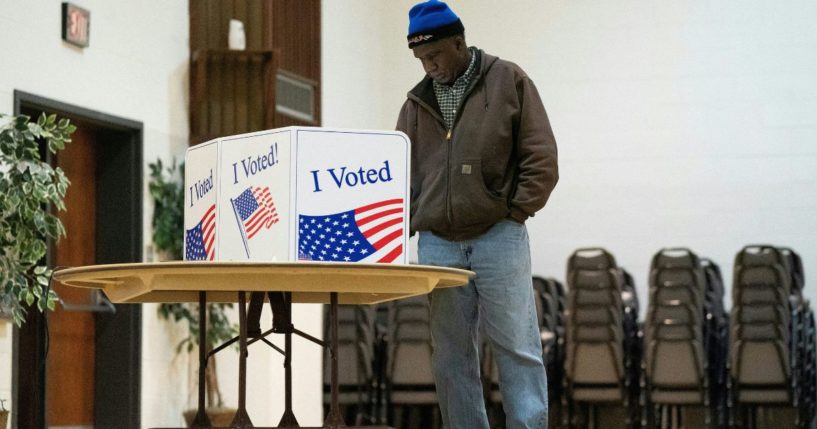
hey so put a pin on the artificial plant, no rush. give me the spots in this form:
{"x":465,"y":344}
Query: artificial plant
{"x":29,"y":189}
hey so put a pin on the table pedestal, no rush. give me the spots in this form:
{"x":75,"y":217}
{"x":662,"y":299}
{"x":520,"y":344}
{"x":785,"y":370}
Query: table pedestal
{"x":242,"y":420}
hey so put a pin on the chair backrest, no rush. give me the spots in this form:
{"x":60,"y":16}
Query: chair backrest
{"x":759,"y":254}
{"x":675,"y":257}
{"x":356,"y":345}
{"x":714,"y":279}
{"x":541,"y":297}
{"x":591,"y":258}
{"x":604,"y":279}
{"x":409,"y":352}
{"x":795,"y":265}
{"x":680,"y":312}
{"x":629,"y":296}
{"x":594,"y":314}
{"x":672,"y":293}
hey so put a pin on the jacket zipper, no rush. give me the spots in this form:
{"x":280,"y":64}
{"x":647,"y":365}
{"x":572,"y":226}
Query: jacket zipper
{"x":448,"y":209}
{"x":448,"y":138}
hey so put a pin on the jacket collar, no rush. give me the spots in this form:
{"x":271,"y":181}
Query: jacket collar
{"x":423,"y":92}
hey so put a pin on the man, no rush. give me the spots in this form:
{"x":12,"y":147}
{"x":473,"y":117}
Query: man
{"x":483,"y":161}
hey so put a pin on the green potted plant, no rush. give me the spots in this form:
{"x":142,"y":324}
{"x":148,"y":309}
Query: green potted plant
{"x":166,"y":187}
{"x":29,"y":187}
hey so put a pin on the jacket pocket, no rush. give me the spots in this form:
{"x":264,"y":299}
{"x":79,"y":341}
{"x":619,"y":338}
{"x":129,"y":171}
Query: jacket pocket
{"x":472,"y":202}
{"x":428,"y":202}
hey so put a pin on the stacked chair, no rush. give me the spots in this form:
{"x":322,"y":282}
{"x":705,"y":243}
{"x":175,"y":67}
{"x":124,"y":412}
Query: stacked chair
{"x":549,"y":298}
{"x":601,"y":373}
{"x":684,"y":329}
{"x":411,"y":396}
{"x":633,"y":343}
{"x":356,"y":381}
{"x":771,"y":349}
{"x":552,"y":332}
{"x":716,"y":342}
{"x":809,"y":373}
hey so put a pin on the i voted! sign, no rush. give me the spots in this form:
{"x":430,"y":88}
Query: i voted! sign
{"x":299,"y":194}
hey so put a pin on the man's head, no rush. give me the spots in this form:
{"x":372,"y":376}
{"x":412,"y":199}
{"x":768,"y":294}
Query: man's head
{"x":437,"y":38}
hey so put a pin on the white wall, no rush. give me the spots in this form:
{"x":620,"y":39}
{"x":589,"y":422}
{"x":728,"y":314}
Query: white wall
{"x":678,"y":123}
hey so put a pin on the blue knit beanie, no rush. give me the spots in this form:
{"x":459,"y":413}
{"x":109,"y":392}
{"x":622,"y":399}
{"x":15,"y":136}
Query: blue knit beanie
{"x":431,"y":21}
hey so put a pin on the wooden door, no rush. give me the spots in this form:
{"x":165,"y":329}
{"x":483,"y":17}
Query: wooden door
{"x":91,"y":375}
{"x":70,"y":368}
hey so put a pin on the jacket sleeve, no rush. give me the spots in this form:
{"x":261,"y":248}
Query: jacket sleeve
{"x":402,"y":125}
{"x":537,"y":166}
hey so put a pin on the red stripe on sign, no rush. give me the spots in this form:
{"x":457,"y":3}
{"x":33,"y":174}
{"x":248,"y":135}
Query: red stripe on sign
{"x":391,"y":256}
{"x":388,"y":239}
{"x":381,"y":227}
{"x":209,"y":231}
{"x":360,"y":210}
{"x":378,"y":215}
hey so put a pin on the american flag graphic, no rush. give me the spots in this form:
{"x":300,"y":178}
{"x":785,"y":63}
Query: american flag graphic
{"x":199,"y":240}
{"x":256,"y":210}
{"x":370,"y":233}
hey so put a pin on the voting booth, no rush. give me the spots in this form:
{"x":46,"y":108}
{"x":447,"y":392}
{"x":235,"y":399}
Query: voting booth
{"x":299,"y":194}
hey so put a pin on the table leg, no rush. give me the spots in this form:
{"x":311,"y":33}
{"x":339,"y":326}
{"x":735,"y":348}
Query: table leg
{"x":288,"y":420}
{"x":202,"y":421}
{"x":242,"y":419}
{"x":334,"y":419}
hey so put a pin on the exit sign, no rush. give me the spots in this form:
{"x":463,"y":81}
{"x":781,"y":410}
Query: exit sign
{"x":76,"y":25}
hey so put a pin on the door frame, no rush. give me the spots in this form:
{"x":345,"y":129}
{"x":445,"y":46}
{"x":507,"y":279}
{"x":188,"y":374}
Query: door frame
{"x":117,"y":394}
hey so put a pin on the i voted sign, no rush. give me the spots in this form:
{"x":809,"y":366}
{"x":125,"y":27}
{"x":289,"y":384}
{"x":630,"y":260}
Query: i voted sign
{"x":341,"y":177}
{"x":200,"y":208}
{"x":299,"y":194}
{"x":353,"y":196}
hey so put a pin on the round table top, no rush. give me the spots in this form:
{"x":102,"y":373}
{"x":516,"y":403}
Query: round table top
{"x":309,"y":282}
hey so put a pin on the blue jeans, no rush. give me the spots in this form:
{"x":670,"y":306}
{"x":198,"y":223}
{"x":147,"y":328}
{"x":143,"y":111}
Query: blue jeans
{"x":497,"y":303}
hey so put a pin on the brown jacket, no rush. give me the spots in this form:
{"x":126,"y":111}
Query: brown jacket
{"x":497,"y":162}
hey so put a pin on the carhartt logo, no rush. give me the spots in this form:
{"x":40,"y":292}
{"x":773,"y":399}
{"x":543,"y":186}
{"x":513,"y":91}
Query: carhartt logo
{"x":420,"y":38}
{"x":466,"y":169}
